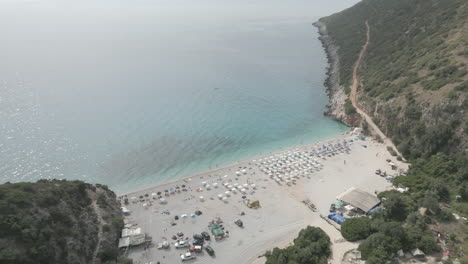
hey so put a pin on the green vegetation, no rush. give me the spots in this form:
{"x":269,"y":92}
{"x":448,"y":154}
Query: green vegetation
{"x":312,"y":246}
{"x":54,"y":222}
{"x":356,"y":228}
{"x":416,"y":48}
{"x":414,"y":85}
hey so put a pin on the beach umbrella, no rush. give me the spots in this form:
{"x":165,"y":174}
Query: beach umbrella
{"x":183,"y":215}
{"x":166,"y":190}
{"x":192,"y":215}
{"x":183,"y":185}
{"x":202,"y":198}
{"x":243,"y":196}
{"x":220,"y":196}
{"x":153,"y":194}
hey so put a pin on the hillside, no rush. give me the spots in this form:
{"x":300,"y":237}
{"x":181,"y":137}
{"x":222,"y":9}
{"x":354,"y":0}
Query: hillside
{"x":58,"y":222}
{"x":413,"y":84}
{"x":415,"y":71}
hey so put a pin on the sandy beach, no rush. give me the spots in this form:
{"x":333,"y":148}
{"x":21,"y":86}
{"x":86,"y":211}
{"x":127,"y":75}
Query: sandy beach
{"x":315,"y":172}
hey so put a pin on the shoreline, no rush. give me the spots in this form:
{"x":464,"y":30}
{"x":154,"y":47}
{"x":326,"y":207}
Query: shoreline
{"x":212,"y":193}
{"x":335,"y":109}
{"x":335,"y":91}
{"x":234,"y":165}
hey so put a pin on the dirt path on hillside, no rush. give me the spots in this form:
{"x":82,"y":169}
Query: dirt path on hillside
{"x":353,"y":95}
{"x":99,"y":235}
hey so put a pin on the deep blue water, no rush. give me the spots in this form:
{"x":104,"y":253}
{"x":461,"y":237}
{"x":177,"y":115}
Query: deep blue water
{"x":130,"y":93}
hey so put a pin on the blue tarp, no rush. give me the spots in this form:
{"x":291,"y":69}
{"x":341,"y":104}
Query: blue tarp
{"x":337,"y":218}
{"x":375,"y":209}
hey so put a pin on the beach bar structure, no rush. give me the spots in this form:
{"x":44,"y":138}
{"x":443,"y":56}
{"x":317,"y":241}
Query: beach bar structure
{"x":360,"y":199}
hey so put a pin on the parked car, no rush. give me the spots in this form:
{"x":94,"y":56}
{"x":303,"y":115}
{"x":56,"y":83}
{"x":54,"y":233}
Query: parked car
{"x":182,"y":244}
{"x":198,"y":242}
{"x":206,"y":236}
{"x":209,"y":250}
{"x":196,"y":248}
{"x":187,"y":256}
{"x":198,"y":237}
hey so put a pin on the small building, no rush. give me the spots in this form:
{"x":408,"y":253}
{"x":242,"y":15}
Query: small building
{"x":132,"y":240}
{"x":360,"y":199}
{"x":126,"y":232}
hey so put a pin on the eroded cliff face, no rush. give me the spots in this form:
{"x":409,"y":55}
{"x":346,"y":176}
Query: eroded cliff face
{"x":335,"y":89}
{"x":336,"y":92}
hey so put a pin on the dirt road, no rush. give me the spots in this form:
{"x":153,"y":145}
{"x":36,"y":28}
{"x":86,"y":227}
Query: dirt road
{"x":353,"y":95}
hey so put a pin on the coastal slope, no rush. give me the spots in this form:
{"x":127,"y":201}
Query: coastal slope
{"x":403,"y":67}
{"x":414,"y":75}
{"x":56,"y":221}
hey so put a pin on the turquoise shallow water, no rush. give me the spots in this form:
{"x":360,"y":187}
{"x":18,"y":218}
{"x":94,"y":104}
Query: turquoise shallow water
{"x":131,"y":93}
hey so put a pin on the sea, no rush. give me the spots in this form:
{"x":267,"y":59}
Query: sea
{"x":132,"y":93}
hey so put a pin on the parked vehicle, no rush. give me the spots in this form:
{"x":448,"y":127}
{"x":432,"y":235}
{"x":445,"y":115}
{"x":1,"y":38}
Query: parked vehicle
{"x":196,"y":248}
{"x":181,"y":244}
{"x":187,"y":256}
{"x":254,"y":204}
{"x":209,"y":250}
{"x":206,"y":236}
{"x":198,"y":237}
{"x":198,"y":242}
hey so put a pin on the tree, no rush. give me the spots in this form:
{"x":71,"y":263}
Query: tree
{"x":431,"y":202}
{"x":356,"y":228}
{"x":395,"y":207}
{"x":312,"y":246}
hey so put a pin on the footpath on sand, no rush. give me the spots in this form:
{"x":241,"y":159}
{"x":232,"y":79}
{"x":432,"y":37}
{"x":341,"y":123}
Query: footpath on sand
{"x":353,"y":96}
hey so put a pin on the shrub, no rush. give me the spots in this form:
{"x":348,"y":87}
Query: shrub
{"x":354,"y":229}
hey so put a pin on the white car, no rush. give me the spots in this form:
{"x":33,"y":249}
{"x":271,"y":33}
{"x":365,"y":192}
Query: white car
{"x":181,"y":244}
{"x":187,"y":256}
